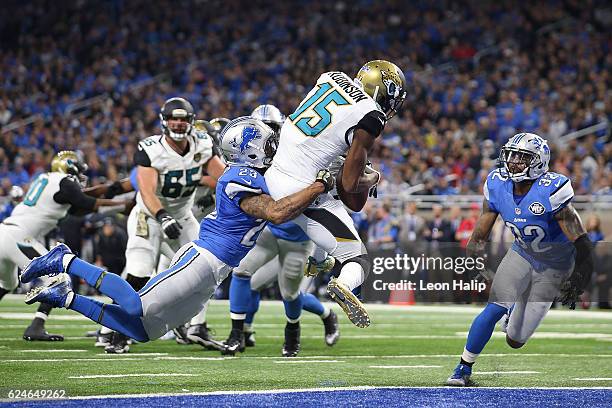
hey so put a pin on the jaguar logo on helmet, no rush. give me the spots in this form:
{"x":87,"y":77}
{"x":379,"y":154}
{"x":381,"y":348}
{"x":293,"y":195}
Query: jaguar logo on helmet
{"x":537,"y":208}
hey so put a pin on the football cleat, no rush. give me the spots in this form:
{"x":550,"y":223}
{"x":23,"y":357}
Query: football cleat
{"x":119,"y":344}
{"x":249,"y":338}
{"x":504,"y":324}
{"x":291,"y":347}
{"x":180,"y":334}
{"x":55,"y":292}
{"x":313,"y":268}
{"x":49,"y":264}
{"x":460,"y":377}
{"x":200,"y":334}
{"x":234,"y":343}
{"x":349,"y":303}
{"x":332,"y":329}
{"x":38,"y":333}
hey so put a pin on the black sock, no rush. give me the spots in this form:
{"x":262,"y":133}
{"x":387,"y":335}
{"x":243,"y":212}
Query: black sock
{"x":238,"y":324}
{"x":293,"y":326}
{"x":3,"y":292}
{"x":466,"y":363}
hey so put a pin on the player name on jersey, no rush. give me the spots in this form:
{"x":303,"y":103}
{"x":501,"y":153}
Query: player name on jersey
{"x":345,"y":84}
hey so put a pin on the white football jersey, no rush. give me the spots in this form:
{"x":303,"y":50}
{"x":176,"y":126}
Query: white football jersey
{"x":178,"y":176}
{"x":322,"y":126}
{"x":39,"y":213}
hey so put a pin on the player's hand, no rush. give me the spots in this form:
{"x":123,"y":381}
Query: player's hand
{"x":171,"y":227}
{"x":327,"y":179}
{"x":205,"y":201}
{"x":113,"y":190}
{"x":570,"y":293}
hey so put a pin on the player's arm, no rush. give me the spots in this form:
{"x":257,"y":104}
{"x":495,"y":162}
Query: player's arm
{"x":265,"y":207}
{"x":364,"y":135}
{"x":572,"y":227}
{"x":214,"y":169}
{"x":482,"y":230}
{"x":70,"y":193}
{"x":110,"y":190}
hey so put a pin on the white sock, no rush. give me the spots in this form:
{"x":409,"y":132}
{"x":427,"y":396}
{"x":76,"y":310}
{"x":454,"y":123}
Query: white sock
{"x":238,"y":316}
{"x":248,"y":327}
{"x":326,"y":312}
{"x":469,"y":356}
{"x":105,"y":330}
{"x":66,"y":261}
{"x":41,"y":315}
{"x":69,"y":299}
{"x":293,"y":320}
{"x":351,"y":275}
{"x":319,"y":254}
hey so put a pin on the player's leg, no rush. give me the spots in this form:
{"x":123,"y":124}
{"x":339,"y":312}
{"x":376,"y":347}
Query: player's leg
{"x":533,"y":306}
{"x":261,"y":279}
{"x":312,"y":304}
{"x":143,"y":248}
{"x":331,"y":228}
{"x":292,"y":256}
{"x":240,"y":287}
{"x":511,"y":281}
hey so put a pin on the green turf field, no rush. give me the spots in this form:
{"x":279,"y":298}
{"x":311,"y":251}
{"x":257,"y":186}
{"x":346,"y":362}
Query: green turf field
{"x":416,"y":346}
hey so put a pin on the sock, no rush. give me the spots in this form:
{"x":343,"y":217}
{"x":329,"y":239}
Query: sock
{"x":109,"y":284}
{"x":248,"y":327}
{"x":481,"y":330}
{"x":311,"y":304}
{"x":319,"y":254}
{"x":253,"y":307}
{"x":200,"y":318}
{"x":293,"y":308}
{"x":351,"y":275}
{"x":238,"y":324}
{"x":112,"y":316}
{"x":293,"y":325}
{"x":240,"y":295}
{"x":3,"y":292}
{"x":40,"y":317}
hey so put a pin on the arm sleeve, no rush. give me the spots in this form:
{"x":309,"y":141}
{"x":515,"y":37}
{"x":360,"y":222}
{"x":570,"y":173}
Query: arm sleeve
{"x":141,"y":158}
{"x":70,"y":193}
{"x":373,"y":123}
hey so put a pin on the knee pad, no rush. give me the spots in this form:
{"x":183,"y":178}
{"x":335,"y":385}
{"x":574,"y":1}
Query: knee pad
{"x":514,"y":344}
{"x":364,"y":260}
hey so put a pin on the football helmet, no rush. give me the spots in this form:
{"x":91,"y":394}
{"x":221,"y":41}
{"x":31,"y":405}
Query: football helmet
{"x":385,"y":83}
{"x":270,"y":115}
{"x":177,"y":109}
{"x":70,"y":162}
{"x":248,"y":141}
{"x":219,"y":123}
{"x":525,"y":157}
{"x":16,"y":194}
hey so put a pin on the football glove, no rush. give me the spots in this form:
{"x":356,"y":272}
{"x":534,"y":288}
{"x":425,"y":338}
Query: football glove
{"x":326,"y":178}
{"x":113,"y":190}
{"x":205,"y":201}
{"x":313,"y":268}
{"x":575,"y":285}
{"x":171,"y":227}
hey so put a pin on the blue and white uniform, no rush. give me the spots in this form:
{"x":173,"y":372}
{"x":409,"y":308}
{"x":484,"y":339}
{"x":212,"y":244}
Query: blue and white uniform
{"x":541,"y":256}
{"x":226,"y":236}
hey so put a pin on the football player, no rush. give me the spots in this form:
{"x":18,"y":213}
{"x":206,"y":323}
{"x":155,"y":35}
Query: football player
{"x":172,"y":297}
{"x":551,"y":255}
{"x":292,"y":247}
{"x":50,"y":198}
{"x":16,"y":196}
{"x":170,"y":167}
{"x":339,"y":115}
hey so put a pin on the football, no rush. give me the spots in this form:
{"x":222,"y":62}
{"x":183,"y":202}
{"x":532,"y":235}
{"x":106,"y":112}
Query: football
{"x":354,"y":201}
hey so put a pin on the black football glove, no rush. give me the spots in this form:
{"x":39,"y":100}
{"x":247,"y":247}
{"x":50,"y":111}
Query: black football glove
{"x":205,"y":201}
{"x":325,"y":177}
{"x":171,"y":227}
{"x":575,"y":285}
{"x":114,"y":190}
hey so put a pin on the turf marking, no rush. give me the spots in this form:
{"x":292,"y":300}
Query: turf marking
{"x":405,"y":366}
{"x":505,"y":372}
{"x":306,"y":361}
{"x":52,"y":351}
{"x":89,"y":377}
{"x":593,"y":379}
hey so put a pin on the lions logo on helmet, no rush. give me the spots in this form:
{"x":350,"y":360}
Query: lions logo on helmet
{"x":248,"y":141}
{"x":525,"y":157}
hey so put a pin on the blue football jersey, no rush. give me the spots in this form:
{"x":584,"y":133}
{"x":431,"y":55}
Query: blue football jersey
{"x":289,"y":231}
{"x":228,"y":232}
{"x":537,"y":235}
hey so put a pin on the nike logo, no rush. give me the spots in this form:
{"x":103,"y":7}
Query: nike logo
{"x":247,"y":181}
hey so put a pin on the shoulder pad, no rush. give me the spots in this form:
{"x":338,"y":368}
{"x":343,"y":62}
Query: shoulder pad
{"x":495,"y":179}
{"x":557,"y":188}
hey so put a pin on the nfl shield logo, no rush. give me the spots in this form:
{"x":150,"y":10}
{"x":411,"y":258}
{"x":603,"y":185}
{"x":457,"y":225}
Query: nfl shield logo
{"x":197,"y":157}
{"x":517,"y":211}
{"x":537,"y":208}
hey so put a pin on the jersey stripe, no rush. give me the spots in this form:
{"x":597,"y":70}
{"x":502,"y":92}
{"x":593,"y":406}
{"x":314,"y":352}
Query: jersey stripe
{"x":232,"y":188}
{"x":561,"y":196}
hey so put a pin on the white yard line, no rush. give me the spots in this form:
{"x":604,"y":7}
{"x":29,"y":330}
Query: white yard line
{"x":405,"y":366}
{"x":593,"y":379}
{"x":87,"y":377}
{"x":306,"y":361}
{"x":553,"y":335}
{"x":505,"y":372}
{"x":52,"y":351}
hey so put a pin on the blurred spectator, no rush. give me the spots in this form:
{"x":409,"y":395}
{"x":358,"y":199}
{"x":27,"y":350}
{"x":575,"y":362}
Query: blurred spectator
{"x":464,"y":232}
{"x":16,"y":196}
{"x":411,"y":227}
{"x":383,"y":233}
{"x":602,"y":281}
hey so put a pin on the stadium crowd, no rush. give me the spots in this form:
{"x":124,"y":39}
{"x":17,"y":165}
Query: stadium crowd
{"x":478,"y":73}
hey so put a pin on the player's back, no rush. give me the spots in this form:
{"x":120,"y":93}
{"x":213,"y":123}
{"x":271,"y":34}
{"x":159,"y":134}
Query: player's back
{"x":531,"y":218}
{"x":39,"y":213}
{"x":229,"y":233}
{"x":321,"y":127}
{"x":178,"y":175}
